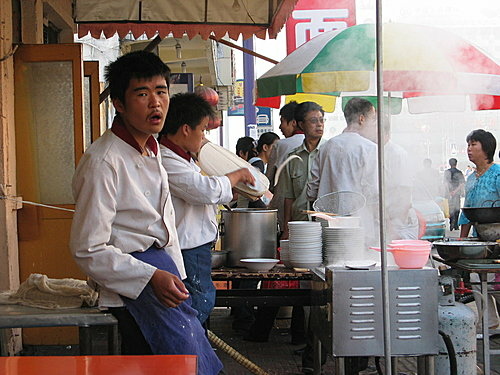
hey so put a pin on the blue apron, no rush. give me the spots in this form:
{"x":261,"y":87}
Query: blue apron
{"x":171,"y":330}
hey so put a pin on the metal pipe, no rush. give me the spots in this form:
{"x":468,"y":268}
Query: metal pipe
{"x":242,"y":49}
{"x":248,"y":85}
{"x":381,"y":187}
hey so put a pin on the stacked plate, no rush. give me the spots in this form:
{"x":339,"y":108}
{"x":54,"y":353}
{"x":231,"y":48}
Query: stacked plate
{"x":305,"y":244}
{"x":343,"y":244}
{"x":285,"y":253}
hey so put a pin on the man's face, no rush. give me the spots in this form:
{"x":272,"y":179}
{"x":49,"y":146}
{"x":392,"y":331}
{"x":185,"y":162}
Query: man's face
{"x":313,"y":124}
{"x":145,"y":107}
{"x":196,"y":136}
{"x":287,"y":127}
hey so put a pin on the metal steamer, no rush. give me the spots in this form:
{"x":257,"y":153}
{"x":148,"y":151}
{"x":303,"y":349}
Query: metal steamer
{"x":351,"y":321}
{"x":248,"y":233}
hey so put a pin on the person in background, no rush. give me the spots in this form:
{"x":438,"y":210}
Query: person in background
{"x":264,"y":148}
{"x":195,"y":197}
{"x":454,"y":182}
{"x":310,"y":119}
{"x":427,"y":181}
{"x":401,"y":217}
{"x":348,"y":162}
{"x":481,"y":189}
{"x":243,"y":316}
{"x":123,"y":233}
{"x":246,"y":148}
{"x":293,"y":138}
{"x":468,"y":171}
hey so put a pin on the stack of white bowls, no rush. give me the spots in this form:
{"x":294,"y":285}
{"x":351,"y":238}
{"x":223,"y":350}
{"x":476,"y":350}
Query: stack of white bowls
{"x":305,"y":244}
{"x":285,"y":253}
{"x":343,"y":241}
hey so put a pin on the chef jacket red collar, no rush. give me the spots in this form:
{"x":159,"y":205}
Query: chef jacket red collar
{"x":119,"y":129}
{"x":297,"y":132}
{"x":175,"y":148}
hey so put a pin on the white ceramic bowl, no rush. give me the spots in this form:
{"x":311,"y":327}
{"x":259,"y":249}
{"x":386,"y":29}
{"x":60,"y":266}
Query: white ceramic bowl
{"x":259,"y":264}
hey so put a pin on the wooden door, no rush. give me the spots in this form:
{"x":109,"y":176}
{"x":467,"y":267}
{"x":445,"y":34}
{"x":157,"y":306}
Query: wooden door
{"x":50,"y":140}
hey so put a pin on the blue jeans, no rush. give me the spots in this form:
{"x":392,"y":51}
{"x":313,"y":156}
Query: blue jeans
{"x":170,"y":330}
{"x":198,"y":265}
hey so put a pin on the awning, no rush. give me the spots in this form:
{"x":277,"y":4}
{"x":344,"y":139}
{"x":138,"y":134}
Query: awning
{"x":262,"y":18}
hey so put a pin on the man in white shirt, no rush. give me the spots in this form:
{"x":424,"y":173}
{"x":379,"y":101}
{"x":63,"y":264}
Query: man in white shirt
{"x":195,"y":196}
{"x":123,"y":232}
{"x":348,"y":162}
{"x":293,"y":138}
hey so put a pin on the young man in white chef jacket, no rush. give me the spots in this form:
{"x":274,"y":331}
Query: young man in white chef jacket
{"x":123,"y":232}
{"x":195,"y":196}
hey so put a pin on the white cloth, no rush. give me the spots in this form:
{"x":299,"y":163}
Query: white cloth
{"x":123,"y":204}
{"x":40,"y":291}
{"x":348,"y":162}
{"x":195,"y":198}
{"x":279,"y":153}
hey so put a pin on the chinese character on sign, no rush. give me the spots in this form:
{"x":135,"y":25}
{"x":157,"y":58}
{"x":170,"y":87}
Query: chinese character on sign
{"x":312,"y":17}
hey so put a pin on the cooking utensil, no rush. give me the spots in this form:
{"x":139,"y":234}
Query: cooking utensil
{"x":483,"y":214}
{"x":343,"y":203}
{"x":248,"y":233}
{"x":488,"y":231}
{"x":259,"y":264}
{"x":318,"y":212}
{"x":454,"y":250}
{"x":219,"y":258}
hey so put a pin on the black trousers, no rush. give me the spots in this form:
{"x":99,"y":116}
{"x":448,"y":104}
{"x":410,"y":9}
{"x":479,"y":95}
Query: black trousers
{"x":132,"y":339}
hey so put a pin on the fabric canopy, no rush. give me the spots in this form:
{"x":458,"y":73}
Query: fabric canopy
{"x":263,"y":18}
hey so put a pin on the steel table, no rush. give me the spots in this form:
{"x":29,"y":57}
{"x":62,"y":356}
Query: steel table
{"x":18,"y":316}
{"x":262,"y":297}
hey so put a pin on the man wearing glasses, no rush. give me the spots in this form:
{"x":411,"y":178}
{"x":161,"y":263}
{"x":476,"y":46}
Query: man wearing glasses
{"x":310,"y":119}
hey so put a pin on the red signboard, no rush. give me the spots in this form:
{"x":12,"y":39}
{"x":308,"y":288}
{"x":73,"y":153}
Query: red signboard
{"x":312,"y":17}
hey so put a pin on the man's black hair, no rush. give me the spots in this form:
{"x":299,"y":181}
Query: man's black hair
{"x":186,"y":108}
{"x":137,"y":64}
{"x":487,"y":140}
{"x":288,"y":111}
{"x":355,"y":108}
{"x":303,"y":108}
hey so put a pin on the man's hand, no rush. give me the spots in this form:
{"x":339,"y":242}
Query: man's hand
{"x":168,"y":288}
{"x":241,"y":175}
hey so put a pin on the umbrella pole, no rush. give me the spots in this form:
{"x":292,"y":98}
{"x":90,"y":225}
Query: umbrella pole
{"x":381,"y":187}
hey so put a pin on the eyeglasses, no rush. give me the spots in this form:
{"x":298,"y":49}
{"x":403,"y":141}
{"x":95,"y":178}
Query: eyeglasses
{"x":316,"y":120}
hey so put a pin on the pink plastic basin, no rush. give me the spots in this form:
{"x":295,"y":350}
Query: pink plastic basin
{"x":410,"y":258}
{"x":405,"y":258}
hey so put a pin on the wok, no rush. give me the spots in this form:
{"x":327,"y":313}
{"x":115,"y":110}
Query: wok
{"x":488,"y":231}
{"x":454,"y":250}
{"x":483,"y":214}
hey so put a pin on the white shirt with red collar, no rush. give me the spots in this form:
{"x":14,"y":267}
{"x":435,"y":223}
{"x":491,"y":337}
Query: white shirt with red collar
{"x":123,"y":204}
{"x":195,"y":198}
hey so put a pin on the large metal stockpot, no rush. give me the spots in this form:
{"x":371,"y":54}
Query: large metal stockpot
{"x":248,"y":233}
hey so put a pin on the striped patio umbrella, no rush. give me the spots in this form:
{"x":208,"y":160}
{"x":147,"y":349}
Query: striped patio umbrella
{"x":418,"y":60}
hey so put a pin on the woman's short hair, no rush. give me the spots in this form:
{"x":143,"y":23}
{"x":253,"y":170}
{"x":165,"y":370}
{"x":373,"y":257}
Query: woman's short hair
{"x":246,"y":145}
{"x":267,"y":138}
{"x":487,"y":140}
